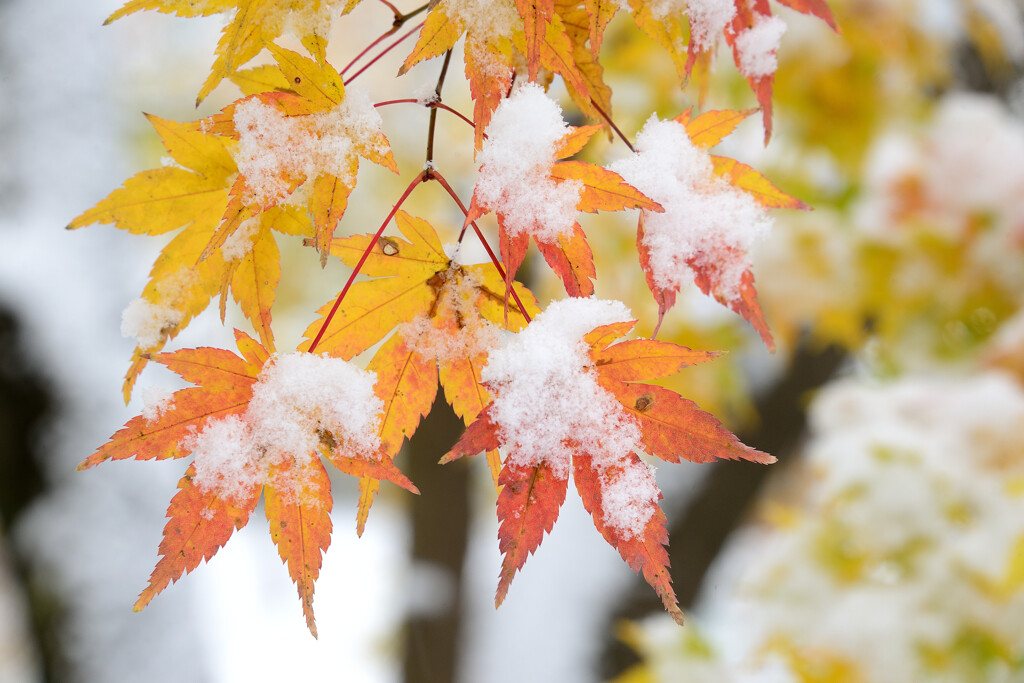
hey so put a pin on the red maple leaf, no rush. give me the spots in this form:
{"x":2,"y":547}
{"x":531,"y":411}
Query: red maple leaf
{"x":566,"y":403}
{"x":534,"y":195}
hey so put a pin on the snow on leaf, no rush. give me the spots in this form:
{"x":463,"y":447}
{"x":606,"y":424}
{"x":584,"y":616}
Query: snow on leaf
{"x":642,"y":548}
{"x":256,"y":423}
{"x":199,"y":524}
{"x":714,"y":212}
{"x":447,"y":317}
{"x":488,"y":27}
{"x":748,"y":27}
{"x":314,"y":133}
{"x":193,"y":196}
{"x":565,"y":402}
{"x":536,"y":196}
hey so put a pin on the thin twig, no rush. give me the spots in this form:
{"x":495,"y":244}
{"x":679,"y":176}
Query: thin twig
{"x":392,"y":8}
{"x":433,"y":111}
{"x":612,"y":124}
{"x":490,"y":253}
{"x":362,"y":259}
{"x":439,"y":105}
{"x":391,"y":31}
{"x":399,"y":21}
{"x":386,"y":50}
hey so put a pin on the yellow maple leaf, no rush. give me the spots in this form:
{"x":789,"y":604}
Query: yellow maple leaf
{"x":447,"y":317}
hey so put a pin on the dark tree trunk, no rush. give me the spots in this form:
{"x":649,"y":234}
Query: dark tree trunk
{"x":440,"y":531}
{"x":26,"y":407}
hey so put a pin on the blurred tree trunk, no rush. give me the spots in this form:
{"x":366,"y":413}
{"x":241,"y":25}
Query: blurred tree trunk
{"x":440,"y":533}
{"x":26,"y":408}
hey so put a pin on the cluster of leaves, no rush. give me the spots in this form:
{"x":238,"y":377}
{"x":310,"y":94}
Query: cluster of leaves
{"x":284,"y":158}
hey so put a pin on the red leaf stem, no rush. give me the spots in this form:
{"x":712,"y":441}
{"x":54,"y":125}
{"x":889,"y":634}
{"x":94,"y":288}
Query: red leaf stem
{"x":362,"y":259}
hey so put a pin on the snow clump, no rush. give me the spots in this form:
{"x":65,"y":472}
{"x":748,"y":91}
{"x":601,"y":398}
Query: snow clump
{"x":548,"y":405}
{"x":298,"y":398}
{"x":273,"y":148}
{"x":757,"y":47}
{"x":708,"y":225}
{"x":515,"y":166}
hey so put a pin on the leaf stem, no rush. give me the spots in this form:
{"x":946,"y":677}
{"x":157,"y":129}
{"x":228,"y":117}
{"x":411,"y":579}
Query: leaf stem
{"x":386,"y":50}
{"x":362,"y":259}
{"x":435,"y":175}
{"x":400,"y":19}
{"x":392,"y":8}
{"x":383,"y":36}
{"x":439,"y":105}
{"x":612,"y":124}
{"x":433,"y":110}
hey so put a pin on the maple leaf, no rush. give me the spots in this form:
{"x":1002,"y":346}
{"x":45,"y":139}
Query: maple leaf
{"x":535,"y":195}
{"x":255,"y":423}
{"x":316,"y":133}
{"x":229,"y":190}
{"x":192,"y":194}
{"x":568,"y":403}
{"x":446,"y":317}
{"x":585,"y":22}
{"x":500,"y":36}
{"x":714,"y":211}
{"x":254,"y":24}
{"x":748,"y":27}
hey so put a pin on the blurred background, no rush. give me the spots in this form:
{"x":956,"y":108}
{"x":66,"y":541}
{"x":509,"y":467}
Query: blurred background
{"x":886,"y":545}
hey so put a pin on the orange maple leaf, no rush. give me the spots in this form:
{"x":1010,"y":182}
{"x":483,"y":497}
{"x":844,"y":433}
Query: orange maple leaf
{"x":714,"y":210}
{"x":566,"y":402}
{"x":535,"y":195}
{"x":447,"y":317}
{"x":256,"y":423}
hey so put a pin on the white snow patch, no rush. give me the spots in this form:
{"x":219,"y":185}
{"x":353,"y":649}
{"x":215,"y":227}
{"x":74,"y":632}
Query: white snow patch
{"x":708,"y":18}
{"x":302,"y":147}
{"x":757,"y":47}
{"x":628,"y":497}
{"x":425,"y":94}
{"x":239,"y":243}
{"x":457,"y":299}
{"x":298,"y":397}
{"x":156,"y":401}
{"x":147,"y":322}
{"x":708,"y":224}
{"x":547,"y":402}
{"x":515,"y":165}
